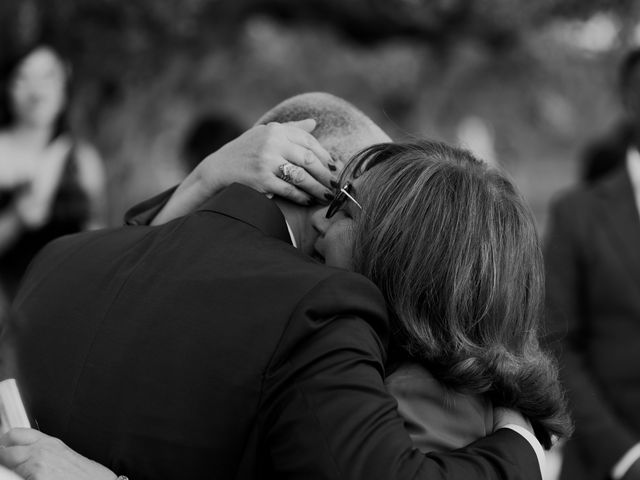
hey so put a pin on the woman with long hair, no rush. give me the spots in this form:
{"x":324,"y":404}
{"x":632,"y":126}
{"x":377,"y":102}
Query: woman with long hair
{"x":454,"y":250}
{"x":51,"y":183}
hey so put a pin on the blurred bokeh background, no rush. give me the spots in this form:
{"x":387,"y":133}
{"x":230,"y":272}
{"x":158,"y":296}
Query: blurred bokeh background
{"x":526,"y":84}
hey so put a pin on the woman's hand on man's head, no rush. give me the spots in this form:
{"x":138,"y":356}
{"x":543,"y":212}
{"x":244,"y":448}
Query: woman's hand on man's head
{"x":278,"y":158}
{"x":281,"y":159}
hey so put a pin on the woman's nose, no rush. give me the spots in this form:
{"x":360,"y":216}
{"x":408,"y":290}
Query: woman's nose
{"x":319,"y":220}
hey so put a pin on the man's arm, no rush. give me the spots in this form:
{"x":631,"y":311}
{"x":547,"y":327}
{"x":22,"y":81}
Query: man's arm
{"x":599,"y":429}
{"x":326,"y":413}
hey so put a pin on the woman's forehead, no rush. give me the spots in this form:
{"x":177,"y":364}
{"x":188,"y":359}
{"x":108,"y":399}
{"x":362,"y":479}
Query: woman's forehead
{"x":41,"y":61}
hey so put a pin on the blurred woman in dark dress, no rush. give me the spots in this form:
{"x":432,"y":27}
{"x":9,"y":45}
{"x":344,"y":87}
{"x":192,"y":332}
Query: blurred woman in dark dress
{"x":51,"y":184}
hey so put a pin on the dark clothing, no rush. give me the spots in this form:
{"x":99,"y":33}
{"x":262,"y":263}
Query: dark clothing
{"x":593,"y":295}
{"x":209,"y":347}
{"x":606,"y":155}
{"x":69,"y":214}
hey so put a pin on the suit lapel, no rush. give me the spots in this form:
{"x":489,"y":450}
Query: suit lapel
{"x":619,"y":216}
{"x":251,"y":207}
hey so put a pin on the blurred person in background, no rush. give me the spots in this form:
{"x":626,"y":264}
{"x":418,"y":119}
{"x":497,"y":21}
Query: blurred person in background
{"x":592,"y":258}
{"x":51,"y":183}
{"x":207,"y":134}
{"x":605,"y":155}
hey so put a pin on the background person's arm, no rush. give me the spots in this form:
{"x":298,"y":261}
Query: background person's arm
{"x":326,"y":413}
{"x":35,"y":202}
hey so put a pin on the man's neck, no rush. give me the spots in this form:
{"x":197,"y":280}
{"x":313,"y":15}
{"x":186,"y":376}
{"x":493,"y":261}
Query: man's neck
{"x":296,"y":218}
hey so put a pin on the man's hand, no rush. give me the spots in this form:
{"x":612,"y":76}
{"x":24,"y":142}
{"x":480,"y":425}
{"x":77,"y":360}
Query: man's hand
{"x":36,"y":456}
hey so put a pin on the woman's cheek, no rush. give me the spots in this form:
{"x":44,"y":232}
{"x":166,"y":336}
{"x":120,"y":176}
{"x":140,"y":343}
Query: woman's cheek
{"x":340,"y":243}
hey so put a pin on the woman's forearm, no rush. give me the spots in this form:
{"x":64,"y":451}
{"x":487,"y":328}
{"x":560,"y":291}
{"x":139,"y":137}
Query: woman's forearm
{"x":190,"y":194}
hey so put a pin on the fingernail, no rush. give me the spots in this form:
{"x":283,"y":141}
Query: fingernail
{"x":334,"y":184}
{"x":329,"y":196}
{"x":332,"y":167}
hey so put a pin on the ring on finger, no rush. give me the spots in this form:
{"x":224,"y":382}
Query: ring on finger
{"x":286,"y":171}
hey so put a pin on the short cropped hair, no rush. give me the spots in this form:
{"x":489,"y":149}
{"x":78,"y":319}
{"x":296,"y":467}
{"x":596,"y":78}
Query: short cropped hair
{"x":455,"y":252}
{"x":346,"y":127}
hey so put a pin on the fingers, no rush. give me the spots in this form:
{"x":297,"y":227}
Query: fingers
{"x":290,"y":192}
{"x":16,"y":446}
{"x":21,"y":436}
{"x":308,"y":163}
{"x":308,"y":124}
{"x":305,"y":139}
{"x":311,"y":175}
{"x":11,"y":457}
{"x":300,"y":178}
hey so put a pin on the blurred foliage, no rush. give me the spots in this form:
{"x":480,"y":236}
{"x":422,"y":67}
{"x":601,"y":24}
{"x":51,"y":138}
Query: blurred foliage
{"x":105,"y":34}
{"x":145,"y":69}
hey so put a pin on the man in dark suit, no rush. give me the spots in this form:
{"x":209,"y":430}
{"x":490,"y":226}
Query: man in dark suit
{"x":210,"y":347}
{"x":593,"y":295}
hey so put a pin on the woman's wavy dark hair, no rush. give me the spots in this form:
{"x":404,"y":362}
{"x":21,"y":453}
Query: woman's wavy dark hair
{"x":454,"y":250}
{"x":8,"y":69}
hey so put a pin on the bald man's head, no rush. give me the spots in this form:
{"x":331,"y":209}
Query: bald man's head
{"x":341,"y":128}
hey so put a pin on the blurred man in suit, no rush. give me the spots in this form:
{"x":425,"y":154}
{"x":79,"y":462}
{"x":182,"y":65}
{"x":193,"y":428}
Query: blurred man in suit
{"x":593,"y":297}
{"x":211,"y":347}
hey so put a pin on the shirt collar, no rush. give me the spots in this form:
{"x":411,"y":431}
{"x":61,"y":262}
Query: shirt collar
{"x":633,"y":168}
{"x":293,"y":238}
{"x":251,"y":207}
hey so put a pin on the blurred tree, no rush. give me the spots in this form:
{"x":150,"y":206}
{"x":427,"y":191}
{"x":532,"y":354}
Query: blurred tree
{"x":124,"y":31}
{"x":144,"y":68}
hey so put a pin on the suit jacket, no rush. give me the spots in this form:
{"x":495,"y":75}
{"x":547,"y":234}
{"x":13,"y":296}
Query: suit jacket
{"x":209,"y":347}
{"x":593,"y":297}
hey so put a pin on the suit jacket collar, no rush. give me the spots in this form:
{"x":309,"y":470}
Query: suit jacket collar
{"x":251,"y":207}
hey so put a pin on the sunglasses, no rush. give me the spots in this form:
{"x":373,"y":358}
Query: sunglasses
{"x":339,"y":200}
